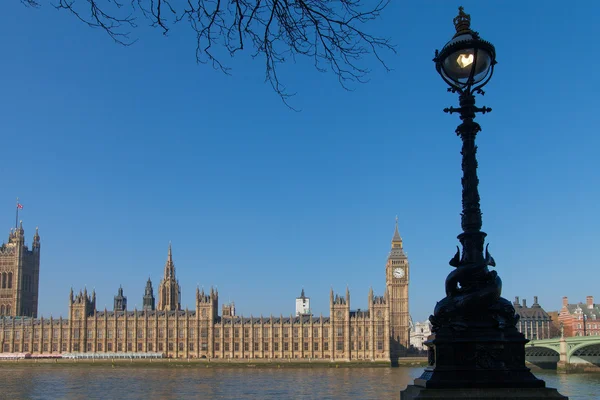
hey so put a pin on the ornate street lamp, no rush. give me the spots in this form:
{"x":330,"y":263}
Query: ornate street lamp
{"x":475,"y":345}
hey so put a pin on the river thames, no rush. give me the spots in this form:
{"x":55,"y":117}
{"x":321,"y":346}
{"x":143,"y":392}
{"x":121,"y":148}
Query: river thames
{"x":105,"y":382}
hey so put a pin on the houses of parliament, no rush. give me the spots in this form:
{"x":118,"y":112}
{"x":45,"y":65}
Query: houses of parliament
{"x":379,"y":333}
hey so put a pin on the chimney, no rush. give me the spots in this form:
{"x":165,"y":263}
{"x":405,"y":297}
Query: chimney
{"x":565,"y":301}
{"x":589,"y":300}
{"x":516,"y":300}
{"x":535,"y":300}
{"x":524,"y":303}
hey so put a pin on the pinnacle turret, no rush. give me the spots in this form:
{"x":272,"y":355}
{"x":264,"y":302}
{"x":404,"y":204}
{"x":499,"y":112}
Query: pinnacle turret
{"x":148,"y":300}
{"x":120,"y":301}
{"x":36,"y":238}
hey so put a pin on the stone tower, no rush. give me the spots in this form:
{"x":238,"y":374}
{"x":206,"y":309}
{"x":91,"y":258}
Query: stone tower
{"x":339,"y":316}
{"x":396,"y":279}
{"x":169,"y":294}
{"x":148,"y":301}
{"x":380,"y":323}
{"x":81,"y":306}
{"x":19,"y":275}
{"x":207,"y":304}
{"x":120,"y":303}
{"x":228,"y":310}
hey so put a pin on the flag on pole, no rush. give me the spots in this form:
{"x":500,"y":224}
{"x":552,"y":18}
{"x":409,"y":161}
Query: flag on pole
{"x":19,"y":207}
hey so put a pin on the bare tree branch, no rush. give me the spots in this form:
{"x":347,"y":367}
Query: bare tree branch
{"x":30,"y":3}
{"x":328,"y":31}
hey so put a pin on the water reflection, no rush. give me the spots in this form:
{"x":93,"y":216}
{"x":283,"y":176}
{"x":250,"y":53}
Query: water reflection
{"x":574,"y":386}
{"x":170,"y":383}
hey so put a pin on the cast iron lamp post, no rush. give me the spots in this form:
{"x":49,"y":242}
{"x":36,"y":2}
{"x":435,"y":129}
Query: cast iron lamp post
{"x":475,"y":343}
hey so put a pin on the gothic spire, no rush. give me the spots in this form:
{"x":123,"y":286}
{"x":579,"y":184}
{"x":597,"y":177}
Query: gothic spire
{"x":169,"y":266}
{"x":397,"y":237}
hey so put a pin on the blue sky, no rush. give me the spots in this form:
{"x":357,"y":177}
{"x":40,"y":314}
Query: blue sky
{"x":115,"y":151}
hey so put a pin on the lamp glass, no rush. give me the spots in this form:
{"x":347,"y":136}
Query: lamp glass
{"x":458,"y":65}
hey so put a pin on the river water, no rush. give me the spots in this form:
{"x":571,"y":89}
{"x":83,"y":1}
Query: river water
{"x":164,"y":383}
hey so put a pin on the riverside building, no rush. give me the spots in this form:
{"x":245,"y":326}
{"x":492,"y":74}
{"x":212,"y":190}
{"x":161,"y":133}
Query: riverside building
{"x":380,"y":332}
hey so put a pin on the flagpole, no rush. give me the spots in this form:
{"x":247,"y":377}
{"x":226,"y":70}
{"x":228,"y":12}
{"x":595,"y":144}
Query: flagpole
{"x":17,"y":217}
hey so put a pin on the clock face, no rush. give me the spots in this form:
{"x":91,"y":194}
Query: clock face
{"x":398,"y":273}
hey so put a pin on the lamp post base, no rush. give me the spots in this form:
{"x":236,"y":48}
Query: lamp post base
{"x":478,"y":357}
{"x":478,"y":363}
{"x":413,"y":392}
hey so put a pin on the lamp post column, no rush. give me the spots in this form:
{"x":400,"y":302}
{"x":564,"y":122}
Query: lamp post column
{"x":472,"y":237}
{"x":475,"y":345}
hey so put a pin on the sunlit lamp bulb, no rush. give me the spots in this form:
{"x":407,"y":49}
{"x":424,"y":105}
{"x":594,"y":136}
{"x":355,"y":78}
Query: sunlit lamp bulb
{"x":464,"y":60}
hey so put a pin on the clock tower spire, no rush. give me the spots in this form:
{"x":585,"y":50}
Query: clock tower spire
{"x":397,"y":239}
{"x":397,"y":278}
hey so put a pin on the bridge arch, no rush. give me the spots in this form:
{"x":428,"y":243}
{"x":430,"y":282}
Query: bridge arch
{"x":542,"y":356}
{"x":585,"y":349}
{"x":540,"y":349}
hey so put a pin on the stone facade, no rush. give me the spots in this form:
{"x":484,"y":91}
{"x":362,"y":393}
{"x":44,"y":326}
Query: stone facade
{"x":419,"y":334}
{"x":19,"y":275}
{"x":343,"y":335}
{"x":534,"y":322}
{"x":575,"y":316}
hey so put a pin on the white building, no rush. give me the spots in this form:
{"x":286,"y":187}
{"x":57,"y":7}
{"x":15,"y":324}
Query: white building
{"x":302,"y":304}
{"x":419,"y":333}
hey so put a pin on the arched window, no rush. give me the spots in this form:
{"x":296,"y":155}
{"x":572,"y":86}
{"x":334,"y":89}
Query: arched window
{"x":2,"y":309}
{"x":9,"y":284}
{"x":4,"y":280}
{"x":8,"y":309}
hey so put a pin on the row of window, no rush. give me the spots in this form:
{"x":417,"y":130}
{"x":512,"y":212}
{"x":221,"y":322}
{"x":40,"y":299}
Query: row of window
{"x":139,"y":333}
{"x":581,"y":317}
{"x":355,"y":345}
{"x":588,"y":326}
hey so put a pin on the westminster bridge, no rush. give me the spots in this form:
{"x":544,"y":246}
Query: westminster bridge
{"x":572,"y":354}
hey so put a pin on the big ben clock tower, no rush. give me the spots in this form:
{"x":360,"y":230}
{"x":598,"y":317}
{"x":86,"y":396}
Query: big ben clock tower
{"x":396,"y":283}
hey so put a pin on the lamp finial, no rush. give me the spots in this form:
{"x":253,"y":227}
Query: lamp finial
{"x":462,"y":22}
